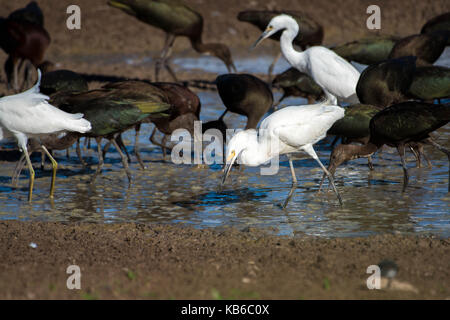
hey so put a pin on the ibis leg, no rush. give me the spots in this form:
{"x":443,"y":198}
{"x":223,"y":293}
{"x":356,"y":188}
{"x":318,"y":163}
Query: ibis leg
{"x":444,"y":150}
{"x":100,"y":160}
{"x":170,"y":38}
{"x":370,"y":163}
{"x":136,"y":147}
{"x":124,"y":160}
{"x":122,"y":146}
{"x":55,"y":168}
{"x":272,"y":66}
{"x":401,"y":152}
{"x":18,"y":170}
{"x":78,"y":150}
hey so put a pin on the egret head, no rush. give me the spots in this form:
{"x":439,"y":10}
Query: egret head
{"x":222,"y":52}
{"x":278,"y":23}
{"x":238,"y":143}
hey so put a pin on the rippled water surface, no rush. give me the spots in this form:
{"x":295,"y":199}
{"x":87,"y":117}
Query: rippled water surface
{"x":185,"y":194}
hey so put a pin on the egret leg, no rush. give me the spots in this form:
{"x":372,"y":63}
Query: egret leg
{"x":136,"y":147}
{"x":401,"y":152}
{"x":55,"y":168}
{"x":294,"y":184}
{"x":310,"y":150}
{"x":30,"y":168}
{"x":100,"y":160}
{"x":269,"y":73}
{"x":124,"y":160}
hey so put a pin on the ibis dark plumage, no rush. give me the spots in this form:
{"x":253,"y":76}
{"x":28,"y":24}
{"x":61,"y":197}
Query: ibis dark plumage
{"x":176,"y":19}
{"x":438,"y":23}
{"x":367,"y":50}
{"x":397,"y":126}
{"x":297,"y":84}
{"x":112,"y":110}
{"x":23,"y":37}
{"x":246,"y":95}
{"x":427,"y":47}
{"x":429,"y":83}
{"x":387,"y":82}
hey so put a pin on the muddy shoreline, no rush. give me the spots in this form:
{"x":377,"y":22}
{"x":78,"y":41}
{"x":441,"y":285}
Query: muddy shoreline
{"x":140,"y":261}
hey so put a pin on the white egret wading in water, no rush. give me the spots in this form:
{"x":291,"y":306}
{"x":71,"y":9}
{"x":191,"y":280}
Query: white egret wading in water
{"x":336,"y":76}
{"x":28,"y":114}
{"x":289,"y":130}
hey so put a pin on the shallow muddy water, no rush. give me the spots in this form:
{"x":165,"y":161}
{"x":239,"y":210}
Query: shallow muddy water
{"x":185,"y":194}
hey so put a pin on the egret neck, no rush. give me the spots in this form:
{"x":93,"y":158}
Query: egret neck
{"x":294,"y":57}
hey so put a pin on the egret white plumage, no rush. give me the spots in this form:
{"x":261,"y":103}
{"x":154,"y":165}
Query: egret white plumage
{"x":286,"y":131}
{"x":28,"y":114}
{"x":336,"y":76}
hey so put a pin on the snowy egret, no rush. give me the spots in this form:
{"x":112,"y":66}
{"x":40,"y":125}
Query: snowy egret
{"x":336,"y":76}
{"x":176,"y":19}
{"x":312,"y":32}
{"x":28,"y":114}
{"x":23,"y":37}
{"x":397,"y":126}
{"x":286,"y":131}
{"x":246,"y":95}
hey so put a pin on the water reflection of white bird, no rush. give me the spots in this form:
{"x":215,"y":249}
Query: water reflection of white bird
{"x":28,"y":114}
{"x":286,"y":131}
{"x":336,"y":76}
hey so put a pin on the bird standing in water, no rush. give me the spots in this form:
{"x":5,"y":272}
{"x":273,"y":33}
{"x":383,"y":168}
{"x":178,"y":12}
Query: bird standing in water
{"x":246,"y":95}
{"x":336,"y":76}
{"x":28,"y":114}
{"x":397,"y":126}
{"x":286,"y":131}
{"x":176,"y":19}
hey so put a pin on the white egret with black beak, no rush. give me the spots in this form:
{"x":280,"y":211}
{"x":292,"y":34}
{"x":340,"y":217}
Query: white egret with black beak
{"x":289,"y":130}
{"x":336,"y":76}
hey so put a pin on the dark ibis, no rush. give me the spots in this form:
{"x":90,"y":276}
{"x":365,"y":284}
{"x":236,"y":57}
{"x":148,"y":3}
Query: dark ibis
{"x":246,"y":95}
{"x":367,"y":50}
{"x":397,"y":126}
{"x":175,"y":18}
{"x":429,"y":83}
{"x":297,"y":84}
{"x":112,"y":110}
{"x":438,"y":23}
{"x":427,"y":47}
{"x":387,"y":82}
{"x":23,"y":37}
